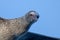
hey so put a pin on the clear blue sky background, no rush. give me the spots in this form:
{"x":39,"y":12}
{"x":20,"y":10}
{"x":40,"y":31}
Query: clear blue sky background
{"x":49,"y":10}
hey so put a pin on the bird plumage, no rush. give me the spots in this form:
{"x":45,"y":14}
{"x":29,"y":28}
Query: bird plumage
{"x":17,"y":26}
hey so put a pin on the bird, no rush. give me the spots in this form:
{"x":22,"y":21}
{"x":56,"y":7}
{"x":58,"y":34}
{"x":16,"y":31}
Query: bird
{"x":17,"y":26}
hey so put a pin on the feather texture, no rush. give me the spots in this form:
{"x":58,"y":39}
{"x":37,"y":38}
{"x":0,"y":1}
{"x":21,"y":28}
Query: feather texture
{"x":17,"y":26}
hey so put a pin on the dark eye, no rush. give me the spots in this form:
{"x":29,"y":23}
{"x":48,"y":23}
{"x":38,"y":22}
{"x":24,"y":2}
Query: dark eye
{"x":31,"y":14}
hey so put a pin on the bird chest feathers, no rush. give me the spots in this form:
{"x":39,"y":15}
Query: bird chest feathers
{"x":17,"y":26}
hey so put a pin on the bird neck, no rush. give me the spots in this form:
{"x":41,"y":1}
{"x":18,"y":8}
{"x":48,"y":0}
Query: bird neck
{"x":25,"y":23}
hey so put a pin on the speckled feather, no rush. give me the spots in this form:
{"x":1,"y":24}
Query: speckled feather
{"x":11,"y":27}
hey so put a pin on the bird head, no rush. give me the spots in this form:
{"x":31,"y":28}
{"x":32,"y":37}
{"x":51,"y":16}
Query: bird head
{"x":32,"y":16}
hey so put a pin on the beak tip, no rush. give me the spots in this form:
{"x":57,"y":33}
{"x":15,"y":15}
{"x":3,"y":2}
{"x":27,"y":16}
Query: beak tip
{"x":37,"y":16}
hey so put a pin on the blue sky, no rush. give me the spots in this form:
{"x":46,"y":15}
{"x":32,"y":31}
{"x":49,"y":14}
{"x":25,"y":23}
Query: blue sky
{"x":49,"y":10}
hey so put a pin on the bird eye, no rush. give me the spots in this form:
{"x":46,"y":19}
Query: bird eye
{"x":31,"y":14}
